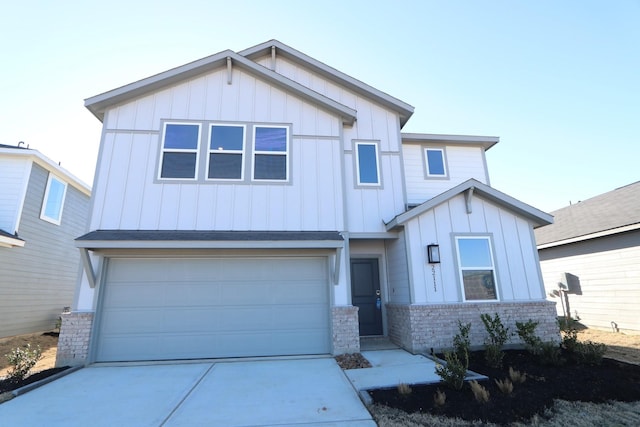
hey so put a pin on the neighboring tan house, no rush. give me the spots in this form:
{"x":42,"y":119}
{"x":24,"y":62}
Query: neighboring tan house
{"x":42,"y":209}
{"x":263,"y":203}
{"x":596,"y":244}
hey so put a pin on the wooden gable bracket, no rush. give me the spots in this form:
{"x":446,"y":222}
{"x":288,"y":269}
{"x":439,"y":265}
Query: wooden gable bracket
{"x":468,"y":196}
{"x":273,"y":58}
{"x":88,"y":267}
{"x":229,"y":73}
{"x":336,"y":266}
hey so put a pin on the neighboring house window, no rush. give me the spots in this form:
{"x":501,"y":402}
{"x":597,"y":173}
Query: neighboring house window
{"x":53,"y":201}
{"x":435,"y":162}
{"x":226,"y":152}
{"x":477,"y":271}
{"x":270,"y":153}
{"x":368,"y":170}
{"x":180,"y":145}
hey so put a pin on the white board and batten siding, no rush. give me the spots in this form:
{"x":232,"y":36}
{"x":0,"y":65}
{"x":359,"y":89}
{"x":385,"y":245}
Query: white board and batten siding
{"x":517,"y":270}
{"x":463,"y":163}
{"x":609,"y":273}
{"x":367,"y":207}
{"x":398,"y":270}
{"x":127,"y":195}
{"x":14,"y":176}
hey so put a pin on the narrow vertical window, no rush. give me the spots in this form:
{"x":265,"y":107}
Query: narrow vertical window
{"x":226,"y":152}
{"x":368,"y":170}
{"x":53,"y":202}
{"x":477,"y":271}
{"x":435,"y":160}
{"x":270,"y":153}
{"x":179,"y":159}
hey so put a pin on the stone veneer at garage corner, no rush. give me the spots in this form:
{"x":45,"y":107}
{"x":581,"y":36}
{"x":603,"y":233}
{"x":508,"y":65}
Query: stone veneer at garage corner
{"x":420,"y":328}
{"x":73,"y":343}
{"x":345,"y":330}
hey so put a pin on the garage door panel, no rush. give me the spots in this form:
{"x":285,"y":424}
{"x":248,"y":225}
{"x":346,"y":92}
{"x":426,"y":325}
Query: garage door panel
{"x":159,"y":309}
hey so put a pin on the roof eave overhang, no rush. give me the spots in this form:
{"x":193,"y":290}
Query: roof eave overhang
{"x":100,"y":103}
{"x":96,"y":245}
{"x":404,"y":110}
{"x":428,"y":138}
{"x":11,"y":242}
{"x":46,"y":163}
{"x":603,"y":233}
{"x":535,"y":216}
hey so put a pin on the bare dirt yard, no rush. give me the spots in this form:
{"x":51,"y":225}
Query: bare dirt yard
{"x":48,"y":342}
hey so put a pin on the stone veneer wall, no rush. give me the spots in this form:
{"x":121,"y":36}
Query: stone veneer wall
{"x":346,"y":332}
{"x":420,"y":328}
{"x":73,"y":343}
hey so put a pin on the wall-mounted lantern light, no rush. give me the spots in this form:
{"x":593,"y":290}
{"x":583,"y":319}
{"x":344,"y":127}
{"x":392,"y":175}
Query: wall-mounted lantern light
{"x":433,"y":254}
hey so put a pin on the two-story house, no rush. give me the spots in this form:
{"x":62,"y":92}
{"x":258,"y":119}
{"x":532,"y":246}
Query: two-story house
{"x":263,"y":203}
{"x":43,"y":207}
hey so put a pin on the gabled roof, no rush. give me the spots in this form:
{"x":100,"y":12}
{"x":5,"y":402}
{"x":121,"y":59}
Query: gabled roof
{"x":402,"y":108}
{"x":46,"y":163}
{"x":609,"y":213}
{"x":99,"y":103}
{"x":421,"y":138}
{"x":473,"y":188}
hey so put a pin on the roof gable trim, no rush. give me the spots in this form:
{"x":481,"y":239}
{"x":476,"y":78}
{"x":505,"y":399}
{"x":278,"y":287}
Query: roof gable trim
{"x":99,"y":103}
{"x":471,"y":188}
{"x":402,"y":108}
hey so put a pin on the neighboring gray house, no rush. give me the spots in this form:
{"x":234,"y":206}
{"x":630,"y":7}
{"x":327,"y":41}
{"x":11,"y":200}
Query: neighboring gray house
{"x":263,"y":203}
{"x":42,"y":209}
{"x":597,"y":242}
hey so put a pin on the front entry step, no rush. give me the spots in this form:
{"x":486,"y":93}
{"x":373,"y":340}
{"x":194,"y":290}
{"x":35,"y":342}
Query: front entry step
{"x":376,"y":343}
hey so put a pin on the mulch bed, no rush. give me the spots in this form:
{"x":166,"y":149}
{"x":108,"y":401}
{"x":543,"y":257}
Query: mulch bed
{"x":611,"y":380}
{"x":10,"y":385}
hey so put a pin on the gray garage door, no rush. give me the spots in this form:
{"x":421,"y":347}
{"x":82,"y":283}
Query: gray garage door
{"x":163,"y":309}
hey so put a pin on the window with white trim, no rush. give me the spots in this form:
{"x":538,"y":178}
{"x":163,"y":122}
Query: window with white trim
{"x":226,"y":152}
{"x":477,"y":269}
{"x":436,"y":166}
{"x":53,"y":201}
{"x":270,"y":153}
{"x":180,"y":144}
{"x":367,"y":164}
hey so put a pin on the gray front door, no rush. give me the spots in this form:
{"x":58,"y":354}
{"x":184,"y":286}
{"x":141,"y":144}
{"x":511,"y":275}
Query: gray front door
{"x":365,"y":294}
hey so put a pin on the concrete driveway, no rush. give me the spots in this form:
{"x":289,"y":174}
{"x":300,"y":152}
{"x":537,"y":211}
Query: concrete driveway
{"x":238,"y":393}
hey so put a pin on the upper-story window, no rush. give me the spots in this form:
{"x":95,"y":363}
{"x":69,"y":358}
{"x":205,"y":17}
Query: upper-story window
{"x":477,"y":270}
{"x":435,"y":160}
{"x":180,"y":145}
{"x":367,"y":165}
{"x":226,"y":152}
{"x":270,"y":153}
{"x":53,"y":202}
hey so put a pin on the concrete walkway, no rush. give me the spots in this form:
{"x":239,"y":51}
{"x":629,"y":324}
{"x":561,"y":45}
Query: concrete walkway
{"x":239,"y":393}
{"x":392,"y":367}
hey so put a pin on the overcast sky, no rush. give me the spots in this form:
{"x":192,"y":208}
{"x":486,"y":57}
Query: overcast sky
{"x":557,"y":81}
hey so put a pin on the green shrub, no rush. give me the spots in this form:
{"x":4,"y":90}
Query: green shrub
{"x":462,"y":343}
{"x":589,"y":353}
{"x":526,"y":332}
{"x":550,"y":354}
{"x":498,"y":336}
{"x":453,"y":372}
{"x":22,"y":360}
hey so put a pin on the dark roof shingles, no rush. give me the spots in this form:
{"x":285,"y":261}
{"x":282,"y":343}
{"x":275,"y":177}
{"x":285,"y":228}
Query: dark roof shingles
{"x":614,"y":209}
